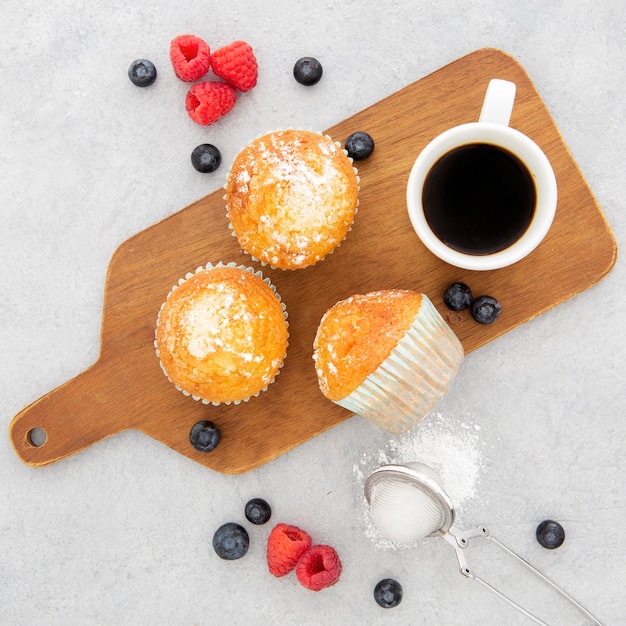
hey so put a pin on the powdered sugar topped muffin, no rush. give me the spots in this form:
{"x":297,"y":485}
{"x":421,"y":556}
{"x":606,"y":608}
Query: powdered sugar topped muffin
{"x":221,"y":334}
{"x":386,"y":355}
{"x":291,"y":198}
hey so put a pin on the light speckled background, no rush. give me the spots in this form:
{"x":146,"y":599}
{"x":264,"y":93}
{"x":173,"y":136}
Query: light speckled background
{"x":120,"y":533}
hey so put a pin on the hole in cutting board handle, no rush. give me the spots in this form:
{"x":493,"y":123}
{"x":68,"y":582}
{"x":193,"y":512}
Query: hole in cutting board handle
{"x":37,"y":437}
{"x":73,"y":416}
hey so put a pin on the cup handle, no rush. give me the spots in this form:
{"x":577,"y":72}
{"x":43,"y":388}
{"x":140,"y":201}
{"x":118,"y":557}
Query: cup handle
{"x":498,"y":102}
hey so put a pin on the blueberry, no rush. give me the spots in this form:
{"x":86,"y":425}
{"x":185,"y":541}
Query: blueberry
{"x":485,"y":309}
{"x":258,"y":511}
{"x":231,"y":541}
{"x":206,"y":158}
{"x":457,"y":296}
{"x":142,"y":73}
{"x":204,"y":436}
{"x":388,"y":593}
{"x":359,"y":145}
{"x":550,"y":534}
{"x":307,"y":71}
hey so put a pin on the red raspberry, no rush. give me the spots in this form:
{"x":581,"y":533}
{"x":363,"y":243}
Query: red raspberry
{"x":191,"y":57}
{"x":236,"y":64}
{"x":285,"y":545}
{"x":319,"y":567}
{"x":207,"y":102}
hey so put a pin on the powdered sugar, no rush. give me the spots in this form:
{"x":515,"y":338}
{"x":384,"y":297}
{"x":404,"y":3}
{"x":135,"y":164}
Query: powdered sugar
{"x":207,"y":320}
{"x":304,"y":188}
{"x":450,"y":447}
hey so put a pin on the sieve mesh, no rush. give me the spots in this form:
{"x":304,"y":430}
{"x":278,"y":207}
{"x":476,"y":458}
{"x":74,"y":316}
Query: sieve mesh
{"x":402,"y":511}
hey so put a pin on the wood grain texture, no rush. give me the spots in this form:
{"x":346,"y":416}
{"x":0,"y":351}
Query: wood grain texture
{"x":126,"y":389}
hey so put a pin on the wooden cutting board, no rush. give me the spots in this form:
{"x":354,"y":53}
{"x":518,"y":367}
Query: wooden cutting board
{"x":126,"y":389}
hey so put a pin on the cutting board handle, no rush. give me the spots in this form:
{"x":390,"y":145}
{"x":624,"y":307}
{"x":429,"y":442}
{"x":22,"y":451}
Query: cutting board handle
{"x":75,"y":415}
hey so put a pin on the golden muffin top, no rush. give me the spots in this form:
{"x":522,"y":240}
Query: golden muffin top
{"x":222,"y":334}
{"x":357,"y":334}
{"x":291,"y":197}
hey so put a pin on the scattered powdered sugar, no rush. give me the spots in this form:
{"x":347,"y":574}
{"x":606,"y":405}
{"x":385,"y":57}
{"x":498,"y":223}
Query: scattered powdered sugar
{"x":450,"y":447}
{"x":306,"y":188}
{"x":206,"y":320}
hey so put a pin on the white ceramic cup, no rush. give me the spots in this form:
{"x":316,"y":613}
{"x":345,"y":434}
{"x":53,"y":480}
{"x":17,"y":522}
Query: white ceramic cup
{"x":491,"y":129}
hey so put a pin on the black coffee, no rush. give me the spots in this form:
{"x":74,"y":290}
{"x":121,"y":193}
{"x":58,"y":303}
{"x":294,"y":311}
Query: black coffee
{"x":479,"y":198}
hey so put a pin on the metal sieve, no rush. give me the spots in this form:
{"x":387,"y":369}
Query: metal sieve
{"x":408,"y":502}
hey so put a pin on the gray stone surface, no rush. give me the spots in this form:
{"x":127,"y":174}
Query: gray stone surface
{"x":533,"y":427}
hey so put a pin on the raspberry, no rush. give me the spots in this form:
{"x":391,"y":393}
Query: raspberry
{"x":191,"y":57}
{"x":236,"y":64}
{"x":285,"y":545}
{"x":207,"y":102}
{"x":318,"y":568}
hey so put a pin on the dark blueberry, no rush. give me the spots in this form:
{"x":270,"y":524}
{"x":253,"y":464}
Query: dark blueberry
{"x":388,"y":593}
{"x":359,"y":145}
{"x":206,"y":158}
{"x":550,"y":534}
{"x":485,"y":309}
{"x":258,"y":511}
{"x":457,"y":296}
{"x":204,"y":436}
{"x":231,"y":541}
{"x":307,"y":71}
{"x":142,"y":73}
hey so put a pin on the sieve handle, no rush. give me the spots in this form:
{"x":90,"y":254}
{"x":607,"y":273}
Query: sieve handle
{"x":545,"y":579}
{"x":459,"y":540}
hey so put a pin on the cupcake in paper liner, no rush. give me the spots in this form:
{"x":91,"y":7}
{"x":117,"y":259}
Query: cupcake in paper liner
{"x":222,"y":334}
{"x":387,"y":356}
{"x":291,"y":198}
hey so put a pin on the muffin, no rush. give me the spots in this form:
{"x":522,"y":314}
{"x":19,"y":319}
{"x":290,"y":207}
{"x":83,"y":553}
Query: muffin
{"x":221,"y":334}
{"x":386,"y":355}
{"x":291,"y":197}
